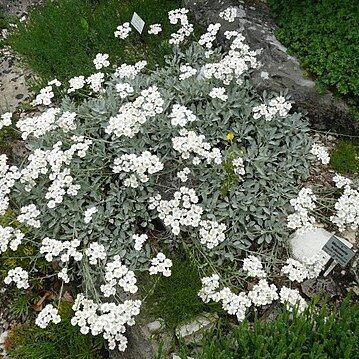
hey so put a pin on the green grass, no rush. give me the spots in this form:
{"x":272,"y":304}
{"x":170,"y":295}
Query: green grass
{"x":61,"y":341}
{"x":316,"y":335}
{"x":175,"y":299}
{"x":344,"y":158}
{"x":325,"y":36}
{"x":62,"y":37}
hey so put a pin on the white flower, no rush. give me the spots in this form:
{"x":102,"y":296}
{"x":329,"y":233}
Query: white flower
{"x":292,"y":298}
{"x":123,"y":31}
{"x":263,"y":293}
{"x":28,"y":214}
{"x":229,"y":14}
{"x":54,"y":82}
{"x":76,"y":83}
{"x":208,"y":38}
{"x":321,"y":153}
{"x":19,"y":276}
{"x":10,"y":237}
{"x":44,"y":97}
{"x":63,"y":274}
{"x":183,"y":175}
{"x":238,"y":166}
{"x":219,"y":92}
{"x":139,"y":241}
{"x":5,"y":119}
{"x":187,"y":72}
{"x":124,"y":89}
{"x":100,"y":61}
{"x":211,"y":233}
{"x":341,"y":181}
{"x":95,"y":252}
{"x":95,"y":81}
{"x":47,"y":315}
{"x":181,"y":115}
{"x":89,"y":213}
{"x":155,"y":29}
{"x":254,"y":267}
{"x":186,"y":29}
{"x":276,"y":107}
{"x":139,"y":167}
{"x":161,"y":264}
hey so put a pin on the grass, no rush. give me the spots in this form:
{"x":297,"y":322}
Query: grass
{"x":324,"y":35}
{"x":62,"y":37}
{"x":175,"y":299}
{"x":344,"y":158}
{"x":316,"y":334}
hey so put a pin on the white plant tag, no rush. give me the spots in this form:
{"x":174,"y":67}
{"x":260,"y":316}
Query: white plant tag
{"x":137,"y":23}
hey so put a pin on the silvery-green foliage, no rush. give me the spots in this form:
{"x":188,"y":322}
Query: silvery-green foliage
{"x":254,"y":209}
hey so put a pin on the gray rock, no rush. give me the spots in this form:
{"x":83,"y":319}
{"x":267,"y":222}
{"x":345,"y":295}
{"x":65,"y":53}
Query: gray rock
{"x":320,"y":286}
{"x":325,"y":112}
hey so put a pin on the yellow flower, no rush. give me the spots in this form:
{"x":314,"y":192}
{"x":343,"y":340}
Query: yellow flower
{"x":230,"y":136}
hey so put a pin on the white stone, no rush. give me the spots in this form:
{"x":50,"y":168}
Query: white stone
{"x":310,"y":243}
{"x":155,"y":326}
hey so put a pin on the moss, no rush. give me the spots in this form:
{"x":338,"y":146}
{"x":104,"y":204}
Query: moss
{"x":175,"y":299}
{"x":344,"y":159}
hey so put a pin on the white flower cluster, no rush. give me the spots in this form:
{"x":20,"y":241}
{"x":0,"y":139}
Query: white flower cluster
{"x":189,"y":142}
{"x":100,"y":61}
{"x":124,"y":89}
{"x":122,"y":31}
{"x":76,"y":83}
{"x":234,"y":65}
{"x":10,"y":237}
{"x":95,"y":252}
{"x":183,"y":175}
{"x":45,"y":122}
{"x":308,"y":268}
{"x":208,"y":38}
{"x":134,"y":114}
{"x":38,"y":125}
{"x":5,"y":119}
{"x":28,"y":215}
{"x":19,"y":276}
{"x":180,"y":211}
{"x":229,"y":14}
{"x":47,"y":315}
{"x":95,"y":81}
{"x":155,"y":29}
{"x":211,"y":233}
{"x":55,"y":82}
{"x":130,"y":71}
{"x":8,"y":177}
{"x":263,"y":293}
{"x":229,"y":34}
{"x":65,"y":250}
{"x":181,"y":115}
{"x":253,"y":266}
{"x":300,"y":219}
{"x":161,"y":264}
{"x":118,"y":274}
{"x":139,"y":239}
{"x":139,"y":167}
{"x":63,"y":274}
{"x":186,"y":72}
{"x":219,"y":92}
{"x":347,"y":210}
{"x":44,"y":97}
{"x":234,"y":304}
{"x":276,"y":106}
{"x":321,"y":153}
{"x":107,"y":319}
{"x":341,"y":181}
{"x":292,"y":298}
{"x":89,"y":213}
{"x":238,"y":166}
{"x":186,"y":29}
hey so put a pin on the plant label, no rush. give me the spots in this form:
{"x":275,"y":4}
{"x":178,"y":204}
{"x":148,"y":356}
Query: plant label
{"x":137,"y":23}
{"x":339,"y":251}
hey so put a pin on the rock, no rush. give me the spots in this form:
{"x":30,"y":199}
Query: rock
{"x":155,"y":326}
{"x":193,"y":332}
{"x":283,"y":71}
{"x":308,"y":244}
{"x":322,"y":286}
